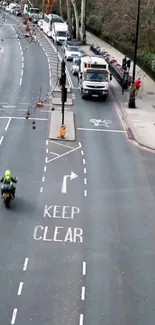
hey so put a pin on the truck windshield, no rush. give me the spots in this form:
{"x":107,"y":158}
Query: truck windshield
{"x":98,"y":76}
{"x":34,"y":11}
{"x":62,"y":34}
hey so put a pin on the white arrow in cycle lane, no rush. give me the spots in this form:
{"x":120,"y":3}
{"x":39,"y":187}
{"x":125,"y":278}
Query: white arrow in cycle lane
{"x":64,"y":182}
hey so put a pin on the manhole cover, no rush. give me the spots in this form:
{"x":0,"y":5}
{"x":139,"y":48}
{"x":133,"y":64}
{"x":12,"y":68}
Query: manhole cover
{"x":150,"y":93}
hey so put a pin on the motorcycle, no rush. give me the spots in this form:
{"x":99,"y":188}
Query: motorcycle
{"x":7,"y":194}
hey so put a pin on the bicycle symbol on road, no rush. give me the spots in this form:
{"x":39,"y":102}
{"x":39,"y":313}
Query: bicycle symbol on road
{"x":105,"y":123}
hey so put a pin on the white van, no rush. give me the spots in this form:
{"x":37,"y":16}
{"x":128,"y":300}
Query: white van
{"x":59,"y":32}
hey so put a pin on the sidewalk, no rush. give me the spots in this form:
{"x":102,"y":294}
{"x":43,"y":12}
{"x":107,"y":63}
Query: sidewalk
{"x":140,"y":121}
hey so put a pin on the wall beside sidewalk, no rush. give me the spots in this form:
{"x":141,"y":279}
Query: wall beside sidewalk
{"x":125,"y":51}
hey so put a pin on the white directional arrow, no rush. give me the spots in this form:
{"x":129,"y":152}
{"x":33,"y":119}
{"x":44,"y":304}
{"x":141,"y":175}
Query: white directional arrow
{"x":64,"y":183}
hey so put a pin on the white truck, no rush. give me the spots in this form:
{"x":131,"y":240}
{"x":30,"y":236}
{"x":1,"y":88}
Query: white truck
{"x":59,"y":32}
{"x":94,"y":77}
{"x":32,"y":13}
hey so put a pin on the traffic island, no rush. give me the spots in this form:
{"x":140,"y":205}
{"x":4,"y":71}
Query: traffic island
{"x":62,"y":132}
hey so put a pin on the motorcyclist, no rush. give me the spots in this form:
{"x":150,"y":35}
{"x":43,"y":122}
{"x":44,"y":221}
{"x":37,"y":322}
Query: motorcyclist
{"x":8,"y":180}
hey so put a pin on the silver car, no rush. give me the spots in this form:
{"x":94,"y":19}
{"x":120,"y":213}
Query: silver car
{"x":75,"y":66}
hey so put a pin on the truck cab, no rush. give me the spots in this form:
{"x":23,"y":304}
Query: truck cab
{"x":94,"y":77}
{"x":33,"y":14}
{"x":59,"y":32}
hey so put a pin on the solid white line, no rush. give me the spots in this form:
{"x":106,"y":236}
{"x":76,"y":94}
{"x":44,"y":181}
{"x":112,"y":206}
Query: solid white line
{"x":84,"y":161}
{"x":102,"y":130}
{"x":41,"y":189}
{"x":82,"y":152}
{"x":14,"y":314}
{"x":23,"y":118}
{"x":81,"y":319}
{"x":43,"y":179}
{"x":80,"y":144}
{"x":85,"y":181}
{"x":20,"y":288}
{"x":83,"y":290}
{"x":84,"y":170}
{"x":63,"y":145}
{"x":25,"y":264}
{"x":84,"y":268}
{"x":45,"y":168}
{"x":20,"y":81}
{"x":55,"y":154}
{"x":8,"y":124}
{"x":1,"y":139}
{"x":85,"y":192}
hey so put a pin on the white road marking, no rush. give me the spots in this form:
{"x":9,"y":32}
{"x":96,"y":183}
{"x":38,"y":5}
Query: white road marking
{"x":22,"y":72}
{"x":22,"y":59}
{"x":82,"y":152}
{"x":41,"y":189}
{"x":6,"y":128}
{"x":46,"y":150}
{"x":85,"y":181}
{"x":55,"y":154}
{"x":50,"y":83}
{"x":1,"y":139}
{"x":84,"y":161}
{"x":20,"y":81}
{"x":81,"y":319}
{"x":46,"y":142}
{"x":45,"y":168}
{"x":83,"y":290}
{"x":84,"y":268}
{"x":14,"y":314}
{"x":85,"y":171}
{"x":101,"y":130}
{"x":25,"y":264}
{"x":85,"y":193}
{"x":23,"y":118}
{"x":62,"y":155}
{"x":20,"y":288}
{"x":61,"y":144}
{"x":50,"y":75}
{"x":43,"y":179}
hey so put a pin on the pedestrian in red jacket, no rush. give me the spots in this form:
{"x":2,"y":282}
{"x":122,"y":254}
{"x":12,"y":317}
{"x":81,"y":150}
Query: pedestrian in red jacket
{"x":138,"y":84}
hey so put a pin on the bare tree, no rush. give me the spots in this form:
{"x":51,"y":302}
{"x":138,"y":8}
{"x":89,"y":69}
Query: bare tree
{"x":69,"y":16}
{"x":60,"y":7}
{"x":76,"y":17}
{"x":83,"y":20}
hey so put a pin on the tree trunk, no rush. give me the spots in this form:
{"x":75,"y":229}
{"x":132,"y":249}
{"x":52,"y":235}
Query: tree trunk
{"x":76,"y":18}
{"x":69,"y":15}
{"x":60,"y":7}
{"x":83,"y":21}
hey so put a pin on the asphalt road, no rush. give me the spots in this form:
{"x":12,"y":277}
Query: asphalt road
{"x":81,"y":250}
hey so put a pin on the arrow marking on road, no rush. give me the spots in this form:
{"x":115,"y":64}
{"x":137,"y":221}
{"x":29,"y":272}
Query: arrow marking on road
{"x":64,"y":183}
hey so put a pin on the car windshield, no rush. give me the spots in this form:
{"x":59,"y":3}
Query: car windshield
{"x":98,"y":76}
{"x":73,"y":49}
{"x":63,"y":34}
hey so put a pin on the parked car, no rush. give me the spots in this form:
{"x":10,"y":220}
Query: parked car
{"x":65,"y":44}
{"x":72,"y":51}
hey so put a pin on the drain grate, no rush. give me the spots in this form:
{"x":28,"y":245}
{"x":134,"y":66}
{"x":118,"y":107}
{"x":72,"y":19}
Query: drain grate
{"x":150,"y":93}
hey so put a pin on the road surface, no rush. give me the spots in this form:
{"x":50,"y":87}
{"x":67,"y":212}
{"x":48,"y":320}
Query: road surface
{"x":85,"y":256}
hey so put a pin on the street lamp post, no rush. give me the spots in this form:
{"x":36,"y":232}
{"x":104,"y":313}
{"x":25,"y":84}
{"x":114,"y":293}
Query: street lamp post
{"x":132,"y":96}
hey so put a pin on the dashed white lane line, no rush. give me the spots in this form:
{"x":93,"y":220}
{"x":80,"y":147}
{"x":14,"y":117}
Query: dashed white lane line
{"x":83,"y":290}
{"x":25,"y":264}
{"x":14,"y":314}
{"x":85,"y":181}
{"x":20,"y":288}
{"x":85,"y":170}
{"x":46,"y":150}
{"x":84,"y":268}
{"x":85,"y":193}
{"x":50,"y":82}
{"x":41,"y":189}
{"x":45,"y":168}
{"x":1,"y":139}
{"x":43,"y":179}
{"x":82,"y":152}
{"x":84,"y":161}
{"x":81,"y":319}
{"x":21,"y":79}
{"x":46,"y":142}
{"x":22,"y":73}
